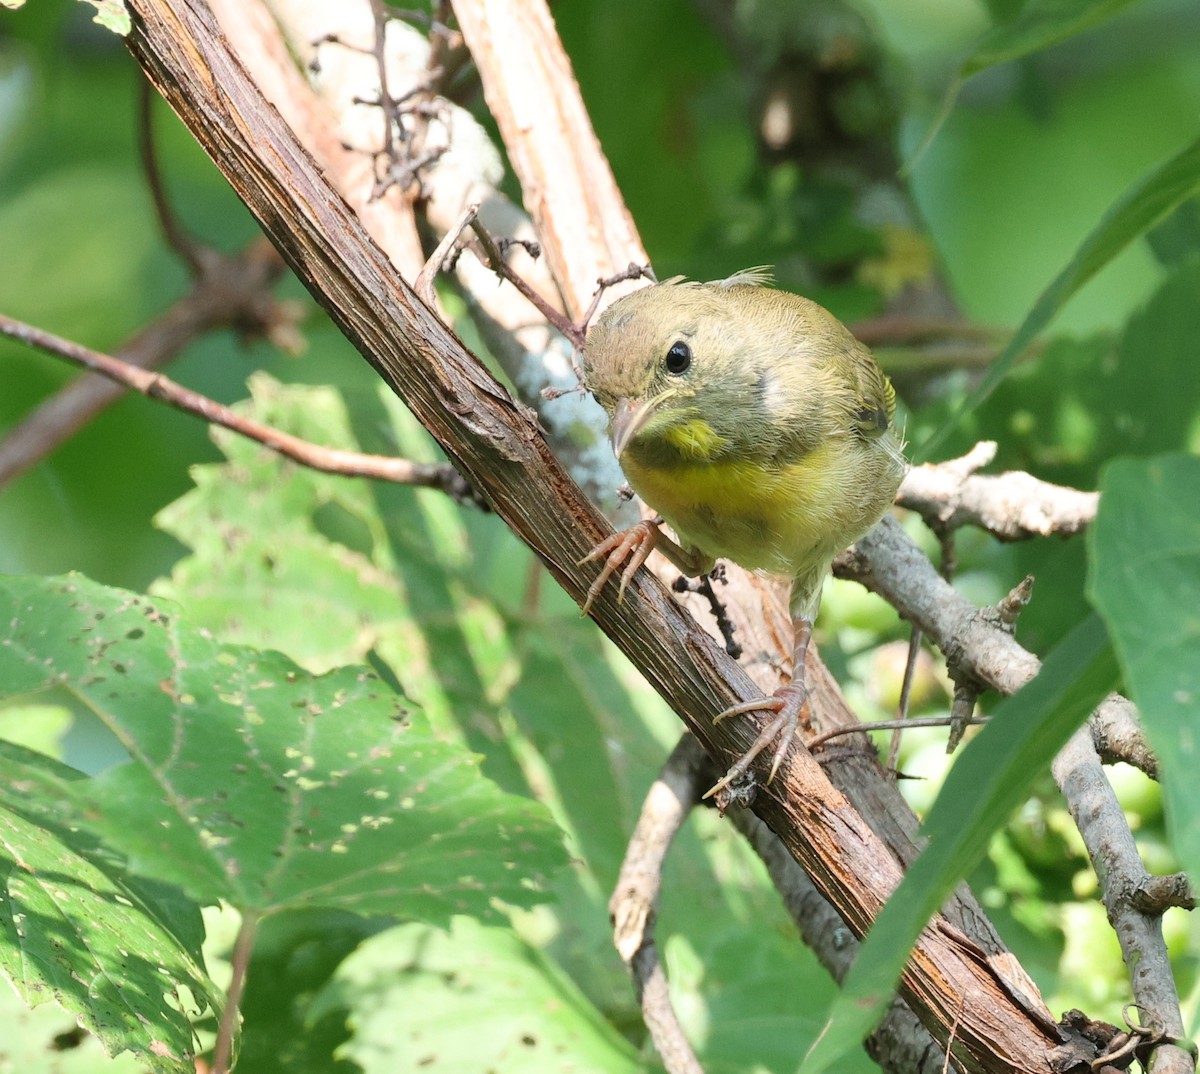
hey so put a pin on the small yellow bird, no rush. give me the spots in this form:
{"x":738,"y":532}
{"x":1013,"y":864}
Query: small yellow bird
{"x":759,"y":429}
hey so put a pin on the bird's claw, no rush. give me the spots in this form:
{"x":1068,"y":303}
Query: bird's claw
{"x":624,"y":551}
{"x":786,"y":703}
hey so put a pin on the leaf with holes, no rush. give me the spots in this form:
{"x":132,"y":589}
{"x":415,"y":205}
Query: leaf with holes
{"x":264,"y":569}
{"x":252,"y":781}
{"x":526,"y":1016}
{"x":121,"y":955}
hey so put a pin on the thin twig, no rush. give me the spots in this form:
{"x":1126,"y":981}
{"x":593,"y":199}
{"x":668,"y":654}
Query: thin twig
{"x":175,"y":234}
{"x":1113,"y":852}
{"x":980,"y":645}
{"x":906,"y":685}
{"x":494,"y":260}
{"x":1156,"y":894}
{"x":659,"y":1015}
{"x":704,"y":587}
{"x":403,"y":152}
{"x":231,"y":290}
{"x":423,"y":284}
{"x":240,"y":963}
{"x":156,"y":386}
{"x":948,"y":565}
{"x":632,"y":271}
{"x":635,"y":898}
{"x":1011,"y":506}
{"x":894,"y":330}
{"x":887,"y":725}
{"x":953,"y":1032}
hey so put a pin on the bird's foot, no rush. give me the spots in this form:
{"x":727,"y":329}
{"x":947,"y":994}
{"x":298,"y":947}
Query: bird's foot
{"x":786,"y":703}
{"x":624,"y":551}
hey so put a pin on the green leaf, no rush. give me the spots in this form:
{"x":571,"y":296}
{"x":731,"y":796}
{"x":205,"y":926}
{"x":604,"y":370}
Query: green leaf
{"x":608,"y":757}
{"x":1003,"y":10}
{"x":112,"y":15}
{"x":1037,"y":25}
{"x":748,"y":974}
{"x":1134,"y":213}
{"x":1040,"y":24}
{"x":298,"y":953}
{"x":1149,"y":414}
{"x":122,"y":956}
{"x":989,"y":780}
{"x":261,"y":571}
{"x":1145,"y":581}
{"x":334,"y":570}
{"x":49,"y":1040}
{"x":251,"y":781}
{"x":523,"y":1014}
{"x":1176,"y":240}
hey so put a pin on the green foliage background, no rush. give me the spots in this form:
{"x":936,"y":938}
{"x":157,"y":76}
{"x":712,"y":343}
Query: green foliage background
{"x":445,"y":606}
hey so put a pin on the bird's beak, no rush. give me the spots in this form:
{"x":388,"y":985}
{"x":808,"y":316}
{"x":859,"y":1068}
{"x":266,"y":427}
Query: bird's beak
{"x":629,"y":418}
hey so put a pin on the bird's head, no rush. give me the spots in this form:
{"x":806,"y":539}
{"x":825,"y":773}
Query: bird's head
{"x":669,"y":363}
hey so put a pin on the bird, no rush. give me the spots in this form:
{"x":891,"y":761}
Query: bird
{"x":760,"y":431}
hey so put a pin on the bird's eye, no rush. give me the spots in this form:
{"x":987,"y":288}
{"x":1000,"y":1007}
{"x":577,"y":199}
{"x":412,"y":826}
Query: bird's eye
{"x":679,"y":357}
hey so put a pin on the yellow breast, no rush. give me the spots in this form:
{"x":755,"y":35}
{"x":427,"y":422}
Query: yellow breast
{"x":781,"y":517}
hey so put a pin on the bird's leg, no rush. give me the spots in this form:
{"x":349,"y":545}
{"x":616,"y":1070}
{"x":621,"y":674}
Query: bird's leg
{"x":626,"y":550}
{"x":786,"y":703}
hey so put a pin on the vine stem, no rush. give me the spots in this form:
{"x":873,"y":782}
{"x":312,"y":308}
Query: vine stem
{"x":242,"y":946}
